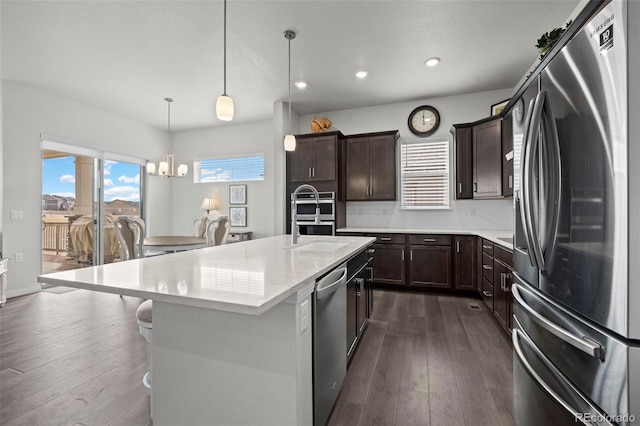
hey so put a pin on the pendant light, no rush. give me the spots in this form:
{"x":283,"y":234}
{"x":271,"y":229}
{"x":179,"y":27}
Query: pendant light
{"x":289,"y":140}
{"x":224,"y":104}
{"x":166,"y":166}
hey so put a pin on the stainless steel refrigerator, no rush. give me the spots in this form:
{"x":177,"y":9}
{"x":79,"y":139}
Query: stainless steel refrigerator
{"x":576,"y":332}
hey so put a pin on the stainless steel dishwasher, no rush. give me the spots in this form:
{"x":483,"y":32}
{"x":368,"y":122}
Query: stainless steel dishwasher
{"x":329,"y":341}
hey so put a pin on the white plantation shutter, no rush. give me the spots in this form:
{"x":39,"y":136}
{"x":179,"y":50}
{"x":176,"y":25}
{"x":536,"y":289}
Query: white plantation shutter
{"x":424,"y":172}
{"x":229,"y":169}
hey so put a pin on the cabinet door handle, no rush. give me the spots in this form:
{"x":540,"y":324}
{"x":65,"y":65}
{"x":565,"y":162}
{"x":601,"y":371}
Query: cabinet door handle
{"x":487,"y":267}
{"x":457,"y":246}
{"x":309,"y":171}
{"x":486,"y":247}
{"x":487,"y":293}
{"x":502,"y":277}
{"x":313,"y":172}
{"x":411,"y":255}
{"x":460,"y":188}
{"x":385,"y":238}
{"x":475,"y":187}
{"x":510,"y":181}
{"x":429,"y":240}
{"x":403,"y":255}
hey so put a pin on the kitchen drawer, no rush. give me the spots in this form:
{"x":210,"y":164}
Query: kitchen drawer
{"x":433,"y":240}
{"x":487,"y":267}
{"x":487,"y":247}
{"x":487,"y":294}
{"x":503,"y":255}
{"x":389,"y":238}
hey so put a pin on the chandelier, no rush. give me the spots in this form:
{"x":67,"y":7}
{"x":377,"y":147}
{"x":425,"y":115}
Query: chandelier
{"x":166,"y":166}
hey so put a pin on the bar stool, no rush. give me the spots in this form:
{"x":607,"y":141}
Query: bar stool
{"x":145,"y":324}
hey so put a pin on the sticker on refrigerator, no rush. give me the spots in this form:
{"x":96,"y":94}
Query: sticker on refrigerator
{"x":606,"y":39}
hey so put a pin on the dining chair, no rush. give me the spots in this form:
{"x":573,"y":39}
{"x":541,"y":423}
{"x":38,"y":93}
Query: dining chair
{"x":218,"y":231}
{"x":199,"y":226}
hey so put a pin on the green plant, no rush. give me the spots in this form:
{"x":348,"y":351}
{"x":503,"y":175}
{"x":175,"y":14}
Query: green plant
{"x":549,"y":39}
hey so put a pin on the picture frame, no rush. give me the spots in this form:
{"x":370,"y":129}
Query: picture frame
{"x":497,"y":108}
{"x":237,"y":194}
{"x":238,"y":216}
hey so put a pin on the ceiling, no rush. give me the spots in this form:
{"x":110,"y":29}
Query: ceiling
{"x":125,"y":57}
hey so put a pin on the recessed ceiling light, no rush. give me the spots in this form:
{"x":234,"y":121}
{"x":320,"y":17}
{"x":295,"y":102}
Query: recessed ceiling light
{"x":300,"y":84}
{"x":362,"y":74}
{"x":432,"y":62}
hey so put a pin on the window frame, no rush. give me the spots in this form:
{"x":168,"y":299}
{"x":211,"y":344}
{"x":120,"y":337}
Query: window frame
{"x":447,"y":187}
{"x":197,"y":174}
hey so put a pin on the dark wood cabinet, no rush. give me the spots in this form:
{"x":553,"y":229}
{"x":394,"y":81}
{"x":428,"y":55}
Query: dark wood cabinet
{"x":465,"y":263}
{"x":485,"y":259}
{"x":462,"y":143}
{"x":315,"y":159}
{"x":507,"y":156}
{"x":430,"y":266}
{"x":371,"y":166}
{"x":487,"y":159}
{"x":502,"y":280}
{"x":389,"y":264}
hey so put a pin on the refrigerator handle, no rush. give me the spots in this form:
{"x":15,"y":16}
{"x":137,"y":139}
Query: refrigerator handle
{"x":516,"y":337}
{"x":589,"y":347}
{"x":532,"y":133}
{"x":552,"y":174}
{"x":523,"y":178}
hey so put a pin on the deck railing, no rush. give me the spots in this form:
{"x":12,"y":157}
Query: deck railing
{"x":54,"y":236}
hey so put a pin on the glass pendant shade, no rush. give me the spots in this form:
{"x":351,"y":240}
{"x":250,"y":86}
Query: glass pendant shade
{"x":151,"y":168}
{"x":163,"y":168}
{"x":289,"y":143}
{"x":182,"y":170}
{"x":224,"y":108}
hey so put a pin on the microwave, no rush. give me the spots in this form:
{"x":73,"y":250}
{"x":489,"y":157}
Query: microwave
{"x":305,"y":205}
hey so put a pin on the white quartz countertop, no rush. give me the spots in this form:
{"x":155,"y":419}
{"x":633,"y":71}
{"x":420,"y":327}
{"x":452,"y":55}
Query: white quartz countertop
{"x":494,"y":236}
{"x":248,"y":277}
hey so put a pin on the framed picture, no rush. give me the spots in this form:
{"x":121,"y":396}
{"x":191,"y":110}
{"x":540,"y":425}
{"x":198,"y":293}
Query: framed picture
{"x":238,"y":216}
{"x":497,"y":108}
{"x":237,"y":194}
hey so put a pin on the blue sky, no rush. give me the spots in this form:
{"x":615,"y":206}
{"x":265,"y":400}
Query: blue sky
{"x":121,"y":180}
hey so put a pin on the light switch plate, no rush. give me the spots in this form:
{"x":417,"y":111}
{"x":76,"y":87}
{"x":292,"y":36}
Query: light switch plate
{"x":17,"y":215}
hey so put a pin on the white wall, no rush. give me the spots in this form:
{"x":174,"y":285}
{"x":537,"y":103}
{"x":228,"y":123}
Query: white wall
{"x":227,"y":139}
{"x":28,"y":113}
{"x":493,"y":214}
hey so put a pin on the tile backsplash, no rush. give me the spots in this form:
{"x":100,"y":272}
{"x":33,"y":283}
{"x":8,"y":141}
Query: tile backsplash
{"x":463,"y":215}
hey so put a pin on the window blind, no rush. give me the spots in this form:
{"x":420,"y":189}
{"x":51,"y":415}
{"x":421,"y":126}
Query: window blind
{"x":425,"y":174}
{"x":229,"y":169}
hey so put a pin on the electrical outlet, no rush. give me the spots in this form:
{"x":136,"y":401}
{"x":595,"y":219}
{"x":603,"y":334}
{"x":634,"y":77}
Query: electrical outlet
{"x":17,"y":215}
{"x":304,"y":316}
{"x":19,"y":257}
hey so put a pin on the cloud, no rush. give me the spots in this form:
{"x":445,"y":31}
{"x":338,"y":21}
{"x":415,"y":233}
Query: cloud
{"x":67,"y":179}
{"x":129,"y":179}
{"x":107,"y":166}
{"x":108,"y":182}
{"x":128,"y":193}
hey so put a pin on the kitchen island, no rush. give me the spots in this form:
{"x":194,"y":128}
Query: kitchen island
{"x":230,"y":343}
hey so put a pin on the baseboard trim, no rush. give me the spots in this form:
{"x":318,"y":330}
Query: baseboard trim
{"x":23,"y":291}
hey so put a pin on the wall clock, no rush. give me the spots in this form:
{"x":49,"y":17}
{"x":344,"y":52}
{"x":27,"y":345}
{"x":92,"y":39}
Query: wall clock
{"x":424,"y":121}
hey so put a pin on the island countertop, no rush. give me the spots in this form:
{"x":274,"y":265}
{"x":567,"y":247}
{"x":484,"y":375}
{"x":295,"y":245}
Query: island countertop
{"x":248,"y":277}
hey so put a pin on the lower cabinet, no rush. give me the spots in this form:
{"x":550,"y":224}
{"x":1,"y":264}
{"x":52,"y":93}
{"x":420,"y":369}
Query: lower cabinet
{"x":430,"y":266}
{"x":502,"y":280}
{"x":359,"y":297}
{"x":465,"y":263}
{"x":389,"y":264}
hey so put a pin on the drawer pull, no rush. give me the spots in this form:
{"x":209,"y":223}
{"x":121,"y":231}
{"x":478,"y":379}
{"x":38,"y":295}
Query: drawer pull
{"x":385,"y":238}
{"x":487,"y":293}
{"x":429,"y":240}
{"x":486,"y":247}
{"x":487,"y":267}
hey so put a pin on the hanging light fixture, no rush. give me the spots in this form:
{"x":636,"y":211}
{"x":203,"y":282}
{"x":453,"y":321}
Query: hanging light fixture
{"x":290,"y":139}
{"x":224,"y":104}
{"x":166,"y":166}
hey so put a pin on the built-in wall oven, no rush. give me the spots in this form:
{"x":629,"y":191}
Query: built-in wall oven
{"x":306,"y":204}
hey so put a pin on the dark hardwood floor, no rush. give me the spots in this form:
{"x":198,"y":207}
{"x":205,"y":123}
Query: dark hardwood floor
{"x":76,"y":358}
{"x":428,"y":359}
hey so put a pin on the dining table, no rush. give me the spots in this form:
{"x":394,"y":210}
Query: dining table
{"x":173,"y":243}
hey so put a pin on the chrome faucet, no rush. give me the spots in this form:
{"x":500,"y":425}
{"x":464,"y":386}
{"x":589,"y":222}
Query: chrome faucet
{"x":295,"y":229}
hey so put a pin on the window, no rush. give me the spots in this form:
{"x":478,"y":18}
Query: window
{"x":229,"y":169}
{"x":424,"y":173}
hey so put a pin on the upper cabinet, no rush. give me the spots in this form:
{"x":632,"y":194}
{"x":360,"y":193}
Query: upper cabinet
{"x":371,"y":166}
{"x":487,"y":159}
{"x":315,"y":158}
{"x":463,"y":160}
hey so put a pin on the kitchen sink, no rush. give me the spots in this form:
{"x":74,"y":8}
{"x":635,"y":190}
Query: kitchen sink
{"x":507,"y":240}
{"x":320,"y":246}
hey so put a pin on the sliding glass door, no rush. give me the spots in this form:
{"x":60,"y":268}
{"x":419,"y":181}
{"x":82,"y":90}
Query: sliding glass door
{"x":83,"y":192}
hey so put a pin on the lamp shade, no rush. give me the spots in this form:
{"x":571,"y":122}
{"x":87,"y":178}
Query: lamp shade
{"x":163,"y":168}
{"x":151,"y":168}
{"x":289,"y":143}
{"x":208,"y":204}
{"x":182,"y":170}
{"x":224,"y":108}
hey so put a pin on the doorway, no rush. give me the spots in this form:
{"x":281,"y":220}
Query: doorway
{"x":80,"y":189}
